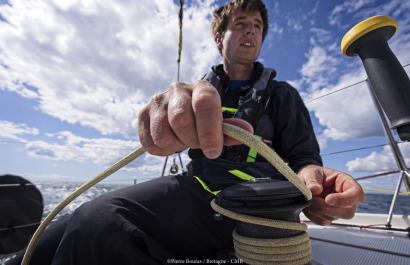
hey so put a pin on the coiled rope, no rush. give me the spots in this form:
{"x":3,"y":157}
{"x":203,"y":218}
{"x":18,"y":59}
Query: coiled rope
{"x":257,"y":251}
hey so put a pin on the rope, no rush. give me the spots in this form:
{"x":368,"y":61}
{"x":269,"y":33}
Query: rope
{"x":258,"y":220}
{"x":34,"y":240}
{"x":232,"y":131}
{"x":270,"y":155}
{"x":255,"y":251}
{"x":180,"y":17}
{"x":392,"y":191}
{"x":379,"y":175}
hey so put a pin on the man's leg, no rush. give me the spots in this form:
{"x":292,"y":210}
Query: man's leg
{"x":149,"y":223}
{"x":47,"y":245}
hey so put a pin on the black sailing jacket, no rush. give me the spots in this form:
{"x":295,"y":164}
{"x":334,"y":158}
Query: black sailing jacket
{"x":278,"y":116}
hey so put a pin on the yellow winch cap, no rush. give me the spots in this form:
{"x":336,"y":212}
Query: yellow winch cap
{"x":365,"y":27}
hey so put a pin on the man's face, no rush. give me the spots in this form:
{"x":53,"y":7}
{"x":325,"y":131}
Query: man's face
{"x":242,"y":40}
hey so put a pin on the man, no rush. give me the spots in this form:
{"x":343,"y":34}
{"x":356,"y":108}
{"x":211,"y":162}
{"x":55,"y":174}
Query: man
{"x":170,"y":218}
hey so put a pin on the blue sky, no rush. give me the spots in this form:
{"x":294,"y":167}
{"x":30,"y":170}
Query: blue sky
{"x":74,"y":75}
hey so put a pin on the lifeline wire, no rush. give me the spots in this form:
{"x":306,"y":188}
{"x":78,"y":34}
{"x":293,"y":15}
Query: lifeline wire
{"x":228,"y":129}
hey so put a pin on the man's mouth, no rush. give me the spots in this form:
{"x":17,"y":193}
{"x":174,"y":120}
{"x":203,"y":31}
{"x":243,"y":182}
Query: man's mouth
{"x":247,"y":44}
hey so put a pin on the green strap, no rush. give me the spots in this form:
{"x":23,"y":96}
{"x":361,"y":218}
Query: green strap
{"x":240,"y":174}
{"x":252,"y":153}
{"x":232,"y":110}
{"x":206,"y":186}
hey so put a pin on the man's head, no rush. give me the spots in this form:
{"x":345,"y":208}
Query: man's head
{"x":222,"y":14}
{"x":239,"y":28}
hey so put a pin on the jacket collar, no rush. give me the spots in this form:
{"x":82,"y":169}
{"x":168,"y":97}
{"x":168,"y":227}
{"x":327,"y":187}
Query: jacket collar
{"x":225,"y":81}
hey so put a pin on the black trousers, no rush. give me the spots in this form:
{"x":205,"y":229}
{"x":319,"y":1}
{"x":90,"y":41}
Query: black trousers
{"x":149,"y":223}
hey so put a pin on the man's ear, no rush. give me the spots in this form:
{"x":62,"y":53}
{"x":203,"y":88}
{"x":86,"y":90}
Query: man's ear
{"x":218,"y":40}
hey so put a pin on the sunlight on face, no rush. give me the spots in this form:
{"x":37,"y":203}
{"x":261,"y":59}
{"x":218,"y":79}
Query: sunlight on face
{"x":242,"y":40}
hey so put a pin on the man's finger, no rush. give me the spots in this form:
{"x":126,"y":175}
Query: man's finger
{"x":350,"y":197}
{"x":315,"y":212}
{"x":206,"y":105}
{"x":180,"y":115}
{"x":319,"y":209}
{"x":144,"y":133}
{"x":161,"y":131}
{"x":312,"y":176}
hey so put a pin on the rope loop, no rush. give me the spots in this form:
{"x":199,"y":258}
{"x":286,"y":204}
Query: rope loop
{"x":291,"y":250}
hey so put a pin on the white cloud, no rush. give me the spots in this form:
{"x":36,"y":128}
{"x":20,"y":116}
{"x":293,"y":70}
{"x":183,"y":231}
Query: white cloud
{"x":69,"y":147}
{"x":347,"y":7}
{"x":103,"y":152}
{"x":299,"y":18}
{"x":10,"y":130}
{"x":379,"y":161}
{"x":97,"y":63}
{"x":349,"y":114}
{"x":318,"y":68}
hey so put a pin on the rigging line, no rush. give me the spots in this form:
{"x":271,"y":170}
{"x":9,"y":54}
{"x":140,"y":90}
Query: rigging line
{"x":358,"y":149}
{"x":355,"y":149}
{"x":72,"y":145}
{"x":74,"y":184}
{"x":125,"y":149}
{"x":343,"y":88}
{"x":11,"y":229}
{"x":379,"y":175}
{"x":391,"y":191}
{"x":180,"y":17}
{"x":370,"y":227}
{"x":335,"y":91}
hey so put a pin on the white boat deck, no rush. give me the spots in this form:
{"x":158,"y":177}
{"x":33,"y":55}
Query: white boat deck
{"x":362,"y":240}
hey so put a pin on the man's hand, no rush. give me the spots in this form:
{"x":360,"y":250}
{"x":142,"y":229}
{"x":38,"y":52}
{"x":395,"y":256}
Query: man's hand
{"x":335,"y":194}
{"x":185,"y":116}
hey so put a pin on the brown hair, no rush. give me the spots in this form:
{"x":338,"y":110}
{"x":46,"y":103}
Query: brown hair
{"x":221,"y":14}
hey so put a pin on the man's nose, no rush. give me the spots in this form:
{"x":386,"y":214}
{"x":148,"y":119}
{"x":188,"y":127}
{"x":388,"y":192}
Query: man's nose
{"x":249,"y":29}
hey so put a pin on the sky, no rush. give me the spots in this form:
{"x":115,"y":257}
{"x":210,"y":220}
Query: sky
{"x":75,"y":74}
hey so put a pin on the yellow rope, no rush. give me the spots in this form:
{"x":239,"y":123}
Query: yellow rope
{"x":392,"y":191}
{"x":254,"y":251}
{"x":34,"y":240}
{"x":180,"y":16}
{"x":292,"y":250}
{"x":258,"y":220}
{"x":270,"y":155}
{"x":230,"y":130}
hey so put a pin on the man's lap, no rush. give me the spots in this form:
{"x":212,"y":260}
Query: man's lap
{"x":168,"y":217}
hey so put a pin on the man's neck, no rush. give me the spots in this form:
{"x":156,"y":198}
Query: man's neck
{"x":238,"y":72}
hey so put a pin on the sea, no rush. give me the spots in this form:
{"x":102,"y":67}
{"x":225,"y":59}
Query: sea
{"x":54,"y":193}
